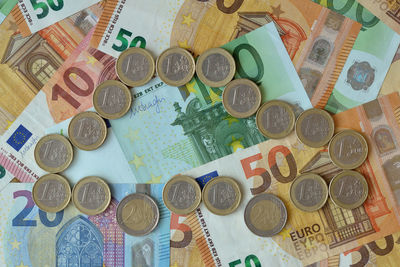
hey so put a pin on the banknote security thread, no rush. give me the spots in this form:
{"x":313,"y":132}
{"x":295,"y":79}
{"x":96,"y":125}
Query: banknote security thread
{"x":309,"y":192}
{"x":91,"y":195}
{"x":51,"y":193}
{"x":112,"y":99}
{"x":348,"y":189}
{"x":241,"y":98}
{"x":137,"y":214}
{"x":176,"y":66}
{"x":265,"y":215}
{"x":314,"y":127}
{"x":53,"y":153}
{"x":221,"y":195}
{"x":215,"y":67}
{"x":87,"y":130}
{"x":182,"y":194}
{"x":348,"y":149}
{"x":135,"y":66}
{"x":275,"y":119}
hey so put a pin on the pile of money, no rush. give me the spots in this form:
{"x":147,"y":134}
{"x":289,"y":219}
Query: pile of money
{"x":199,"y":133}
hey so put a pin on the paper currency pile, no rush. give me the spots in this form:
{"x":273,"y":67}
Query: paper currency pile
{"x":192,"y":133}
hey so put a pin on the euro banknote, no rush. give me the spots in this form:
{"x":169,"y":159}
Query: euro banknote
{"x":386,"y":10}
{"x":34,"y":15}
{"x":67,"y":93}
{"x":368,"y":62}
{"x":392,"y":80}
{"x":169,"y":129}
{"x":5,"y":8}
{"x":318,"y":40}
{"x":32,"y":237}
{"x":307,"y":237}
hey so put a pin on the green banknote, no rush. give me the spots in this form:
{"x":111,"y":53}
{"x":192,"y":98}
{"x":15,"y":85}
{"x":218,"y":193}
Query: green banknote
{"x":369,"y":60}
{"x":169,"y":129}
{"x":5,"y":8}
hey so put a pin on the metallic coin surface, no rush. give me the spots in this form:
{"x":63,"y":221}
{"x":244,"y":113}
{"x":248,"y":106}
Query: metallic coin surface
{"x":348,"y":149}
{"x":53,"y":153}
{"x":241,"y":98}
{"x":182,"y":194}
{"x":222,"y":195}
{"x":315,"y":127}
{"x":87,"y":130}
{"x":135,"y":66}
{"x":265,"y":215}
{"x":176,"y":66}
{"x":348,"y":189}
{"x":215,"y":67}
{"x":91,"y":195}
{"x":275,"y":119}
{"x":112,"y":99}
{"x":51,"y":193}
{"x":137,"y":214}
{"x":309,"y":192}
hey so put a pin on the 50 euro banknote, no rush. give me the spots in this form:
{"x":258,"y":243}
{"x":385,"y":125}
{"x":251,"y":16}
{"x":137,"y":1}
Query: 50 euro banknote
{"x":35,"y":15}
{"x":317,"y":39}
{"x":307,"y":237}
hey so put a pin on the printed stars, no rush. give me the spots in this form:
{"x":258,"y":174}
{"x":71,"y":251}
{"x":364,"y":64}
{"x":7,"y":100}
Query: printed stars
{"x":230,"y":120}
{"x":285,"y":233}
{"x":91,"y":60}
{"x":15,"y":244}
{"x":21,"y":265}
{"x":9,"y":123}
{"x":154,"y":179}
{"x":188,"y":20}
{"x":184,"y":44}
{"x":236,"y":144}
{"x":72,"y":75}
{"x":214,"y":97}
{"x":132,"y":135}
{"x":137,"y":161}
{"x":277,"y":11}
{"x":190,"y":86}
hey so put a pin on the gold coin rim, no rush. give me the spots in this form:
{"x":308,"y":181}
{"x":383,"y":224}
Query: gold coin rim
{"x":65,"y":141}
{"x":300,"y":135}
{"x":181,"y":51}
{"x":123,"y":77}
{"x":236,"y":187}
{"x":358,"y":203}
{"x":84,"y":181}
{"x":340,"y":164}
{"x":102,"y":125}
{"x":203,"y":56}
{"x":302,"y":177}
{"x":189,"y":180}
{"x":127,"y":93}
{"x":130,"y":231}
{"x":268,"y":104}
{"x":61,"y":179}
{"x":230,"y":110}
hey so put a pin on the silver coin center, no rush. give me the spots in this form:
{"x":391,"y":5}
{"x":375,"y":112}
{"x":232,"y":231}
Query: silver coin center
{"x":222,"y":195}
{"x":315,"y":127}
{"x":216,"y":67}
{"x":91,"y":196}
{"x":275,"y":119}
{"x":348,"y":189}
{"x":242,"y":98}
{"x":348,"y":149}
{"x":87,"y":131}
{"x":309,"y":192}
{"x":111,"y":99}
{"x":136,"y":67}
{"x":53,"y":153}
{"x":176,"y":66}
{"x":182,"y":195}
{"x":51,"y":193}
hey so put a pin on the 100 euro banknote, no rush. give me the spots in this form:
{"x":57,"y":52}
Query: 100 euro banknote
{"x":307,"y":237}
{"x":33,"y":237}
{"x":317,"y":39}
